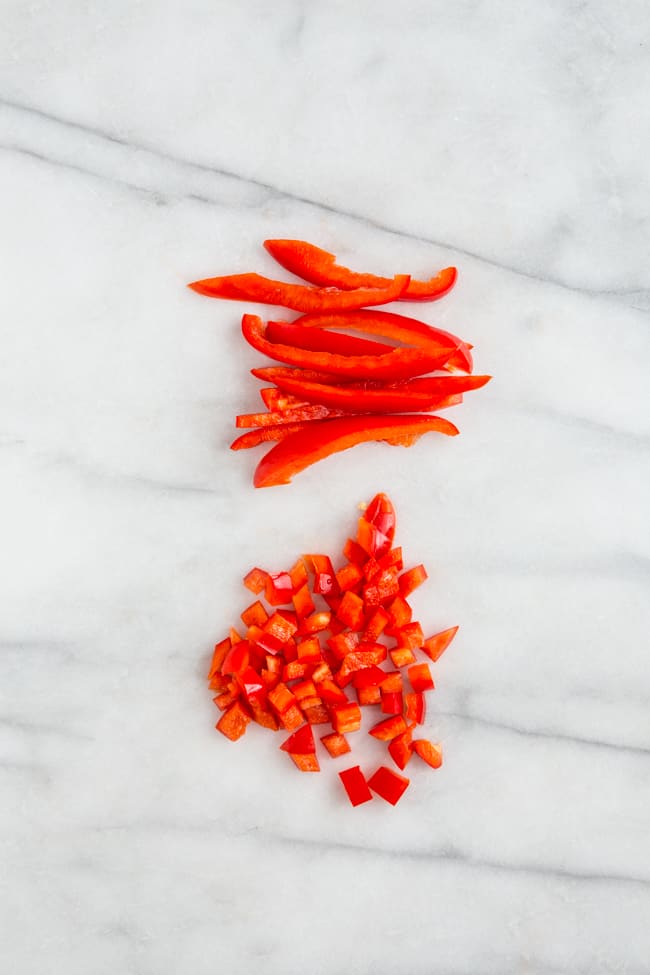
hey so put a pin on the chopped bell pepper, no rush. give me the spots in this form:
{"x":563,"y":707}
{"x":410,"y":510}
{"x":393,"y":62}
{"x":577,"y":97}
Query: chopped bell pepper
{"x":232,"y":722}
{"x":355,"y":785}
{"x":402,"y":656}
{"x":420,"y":678}
{"x":346,"y":717}
{"x":388,"y":784}
{"x":336,"y":744}
{"x":436,"y":645}
{"x":389,"y":728}
{"x":320,"y":340}
{"x":306,"y":763}
{"x":253,"y":438}
{"x":400,"y":749}
{"x":392,"y":702}
{"x":428,"y":752}
{"x":416,"y":707}
{"x":255,"y":580}
{"x":409,"y":581}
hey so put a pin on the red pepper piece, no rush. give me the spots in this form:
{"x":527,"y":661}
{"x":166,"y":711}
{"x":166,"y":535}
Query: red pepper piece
{"x":389,"y":728}
{"x":402,"y":656}
{"x":380,"y":516}
{"x":270,"y":679}
{"x":282,"y":698}
{"x":388,"y":784}
{"x":263,"y":716}
{"x":225,"y":699}
{"x":322,"y":672}
{"x":309,"y":651}
{"x":349,"y":576}
{"x":351,"y":611}
{"x":237,"y":658}
{"x":343,"y":643}
{"x":255,"y":580}
{"x":277,"y":399}
{"x":411,"y":396}
{"x":280,"y":627}
{"x":306,"y":763}
{"x":392,"y":559}
{"x":219,"y":683}
{"x":436,"y":645}
{"x":420,"y":678}
{"x":326,"y":437}
{"x":295,"y":670}
{"x":428,"y":752}
{"x":354,"y":553}
{"x":299,"y":575}
{"x":367,"y":655}
{"x":355,"y":785}
{"x":300,"y":414}
{"x":410,"y":635}
{"x":279,"y":588}
{"x":336,"y":744}
{"x":303,"y":602}
{"x":252,"y":685}
{"x":292,"y":718}
{"x":254,"y":615}
{"x":316,"y":622}
{"x":316,"y":714}
{"x":234,"y":636}
{"x":304,"y":690}
{"x":392,"y":681}
{"x":218,"y":657}
{"x":253,"y":438}
{"x":376,"y":625}
{"x":400,"y":613}
{"x":301,"y":742}
{"x":346,"y":717}
{"x":265,"y":291}
{"x":324,"y":576}
{"x":416,"y":707}
{"x":267,"y":643}
{"x":383,"y":588}
{"x":372,"y":676}
{"x":410,"y":580}
{"x":331,"y":694}
{"x":273,"y":664}
{"x":399,"y":328}
{"x":232,"y":722}
{"x":320,"y":340}
{"x":318,"y":266}
{"x":399,"y":363}
{"x":368,"y":695}
{"x":271,"y":374}
{"x":400,"y":749}
{"x":392,"y":702}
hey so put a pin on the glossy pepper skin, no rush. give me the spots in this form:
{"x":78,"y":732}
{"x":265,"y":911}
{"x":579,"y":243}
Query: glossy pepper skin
{"x":325,"y":437}
{"x":399,"y":363}
{"x":313,"y":264}
{"x":299,"y":297}
{"x":320,"y":340}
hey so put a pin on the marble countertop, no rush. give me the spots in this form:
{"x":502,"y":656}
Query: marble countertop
{"x":144,"y":145}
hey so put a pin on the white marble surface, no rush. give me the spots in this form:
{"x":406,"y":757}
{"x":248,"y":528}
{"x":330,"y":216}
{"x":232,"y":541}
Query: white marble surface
{"x":143,"y":145}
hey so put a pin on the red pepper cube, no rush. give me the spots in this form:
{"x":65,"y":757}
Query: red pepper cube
{"x":336,"y":744}
{"x":368,"y":695}
{"x":383,"y":588}
{"x":371,"y":568}
{"x":369,"y":677}
{"x":309,"y":651}
{"x":376,"y":625}
{"x":354,"y":553}
{"x":420,"y":677}
{"x":416,"y":707}
{"x":299,"y":576}
{"x":322,"y":672}
{"x":324,"y":577}
{"x":410,"y":580}
{"x":346,"y":717}
{"x":303,"y":602}
{"x":254,"y":615}
{"x":219,"y":683}
{"x":254,"y":633}
{"x":388,"y":784}
{"x":270,"y":679}
{"x":264,"y":717}
{"x":316,"y":713}
{"x":296,"y":670}
{"x":237,"y":658}
{"x":355,"y":785}
{"x":428,"y":752}
{"x":342,"y":644}
{"x":349,"y":577}
{"x":436,"y":645}
{"x":255,"y":580}
{"x":304,"y":689}
{"x":282,"y":698}
{"x":392,"y":702}
{"x":225,"y":699}
{"x":389,"y":728}
{"x":351,"y":611}
{"x":267,"y":643}
{"x":381,"y":513}
{"x":334,"y":602}
{"x":330,"y":693}
{"x":315,"y":623}
{"x":252,"y":685}
{"x":367,"y":655}
{"x":402,"y":656}
{"x":292,"y":718}
{"x":400,"y":749}
{"x":234,"y":636}
{"x":306,"y":763}
{"x":300,"y":742}
{"x":218,"y":657}
{"x":410,"y":635}
{"x":289,"y":616}
{"x":274,"y":664}
{"x":232,"y":722}
{"x":280,"y":628}
{"x":392,"y":681}
{"x":278,"y":589}
{"x":400,"y":612}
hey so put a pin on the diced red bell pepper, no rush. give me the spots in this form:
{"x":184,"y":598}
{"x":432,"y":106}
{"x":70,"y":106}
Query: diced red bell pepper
{"x":368,"y":695}
{"x":252,"y":685}
{"x":299,"y":414}
{"x":355,"y":785}
{"x":392,"y":558}
{"x":392,"y":702}
{"x":270,"y":679}
{"x":376,"y":625}
{"x":322,"y":672}
{"x":343,"y":643}
{"x":410,"y":635}
{"x":237,"y":658}
{"x":410,"y":580}
{"x":436,"y":645}
{"x":346,"y":718}
{"x":299,"y":575}
{"x":371,"y":676}
{"x":278,"y":589}
{"x":351,"y":611}
{"x":316,"y":622}
{"x":389,"y":728}
{"x":295,"y":670}
{"x":336,"y":744}
{"x":399,"y":612}
{"x":255,"y":580}
{"x":300,"y":297}
{"x":309,"y":651}
{"x":234,"y":636}
{"x":218,"y":657}
{"x":219,"y":683}
{"x":280,"y":627}
{"x":305,"y":689}
{"x":325,"y":583}
{"x":301,"y":742}
{"x":367,"y":655}
{"x":416,"y":707}
{"x":388,"y":784}
{"x":253,"y":438}
{"x":428,"y":752}
{"x":292,"y":718}
{"x":316,"y":714}
{"x":392,"y":681}
{"x":371,"y":568}
{"x":354,"y":553}
{"x":303,"y":602}
{"x":273,"y":664}
{"x":232,"y":722}
{"x":254,"y":615}
{"x":282,"y":698}
{"x":402,"y":656}
{"x":264,"y":717}
{"x":306,"y":763}
{"x":318,"y":266}
{"x":382,"y":589}
{"x":330,"y":693}
{"x":376,"y":528}
{"x":349,"y":576}
{"x":268,"y":643}
{"x":420,"y":677}
{"x":226,"y":698}
{"x":400,"y":749}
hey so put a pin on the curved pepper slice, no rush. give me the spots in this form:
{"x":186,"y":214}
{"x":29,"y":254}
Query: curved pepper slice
{"x":319,"y":266}
{"x":431,"y":393}
{"x":271,"y":374}
{"x":320,"y":340}
{"x":311,"y":411}
{"x":324,"y":437}
{"x":397,"y":364}
{"x":253,"y":438}
{"x":392,"y":326}
{"x":300,"y":297}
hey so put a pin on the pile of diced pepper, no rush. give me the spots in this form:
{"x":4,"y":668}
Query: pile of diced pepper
{"x":335,"y":390}
{"x":313,"y":657}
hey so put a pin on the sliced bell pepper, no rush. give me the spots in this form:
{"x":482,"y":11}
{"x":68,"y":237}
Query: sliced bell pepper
{"x":275,"y":399}
{"x":266,"y":291}
{"x":389,"y":728}
{"x":399,"y":363}
{"x":388,"y":784}
{"x":436,"y":645}
{"x":314,"y":264}
{"x":271,"y":374}
{"x":355,"y":785}
{"x":301,"y":414}
{"x":325,"y":437}
{"x":428,"y":752}
{"x":320,"y":340}
{"x":396,"y":327}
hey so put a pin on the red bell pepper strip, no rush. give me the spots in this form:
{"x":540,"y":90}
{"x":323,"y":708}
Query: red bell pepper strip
{"x":253,"y":438}
{"x":274,"y":399}
{"x":355,"y":785}
{"x":399,"y":363}
{"x":388,"y":784}
{"x":271,"y":374}
{"x":320,"y":340}
{"x":311,"y":411}
{"x":266,"y":291}
{"x":389,"y":728}
{"x":397,"y":327}
{"x":436,"y":392}
{"x":313,"y":264}
{"x":436,"y":645}
{"x":325,"y":437}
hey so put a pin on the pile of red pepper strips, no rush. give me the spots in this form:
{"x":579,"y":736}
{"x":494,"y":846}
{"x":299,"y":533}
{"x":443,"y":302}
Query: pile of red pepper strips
{"x":335,"y":390}
{"x":295,"y":667}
